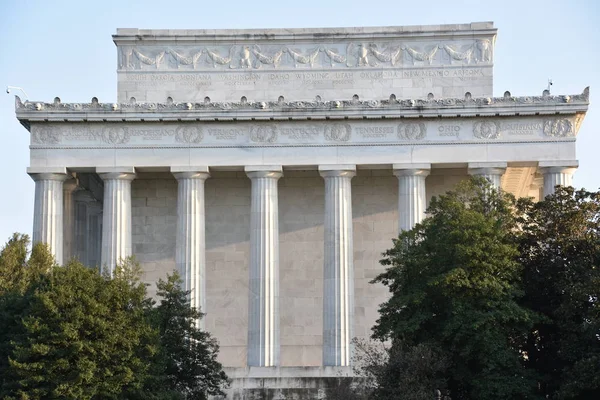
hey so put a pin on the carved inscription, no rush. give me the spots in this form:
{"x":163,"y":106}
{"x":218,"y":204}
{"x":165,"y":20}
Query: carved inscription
{"x":374,"y":131}
{"x":449,"y":130}
{"x":225,"y":133}
{"x":521,"y":128}
{"x":301,"y":132}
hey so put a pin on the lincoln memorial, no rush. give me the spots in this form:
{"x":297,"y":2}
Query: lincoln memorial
{"x":273,"y":167}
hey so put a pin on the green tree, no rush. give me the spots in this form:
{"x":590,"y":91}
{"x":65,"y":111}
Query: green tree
{"x":560,"y":253}
{"x":455,"y":286}
{"x":82,"y":335}
{"x":186,"y":365}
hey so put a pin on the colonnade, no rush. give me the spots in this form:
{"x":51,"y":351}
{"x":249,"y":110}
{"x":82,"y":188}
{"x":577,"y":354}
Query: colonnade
{"x":54,"y":204}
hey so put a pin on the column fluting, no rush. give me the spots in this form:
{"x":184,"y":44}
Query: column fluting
{"x":48,"y":212}
{"x":338,"y":270}
{"x":263,"y":318}
{"x":555,"y":176}
{"x":116,"y":223}
{"x":491,"y":171}
{"x":69,"y":245}
{"x":412,"y":198}
{"x":190,"y":255}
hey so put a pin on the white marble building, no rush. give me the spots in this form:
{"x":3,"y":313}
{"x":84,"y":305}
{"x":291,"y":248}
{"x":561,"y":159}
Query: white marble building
{"x":273,"y":167}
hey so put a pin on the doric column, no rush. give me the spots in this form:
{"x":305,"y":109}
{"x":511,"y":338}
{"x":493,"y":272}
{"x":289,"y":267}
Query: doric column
{"x":69,"y":187}
{"x":116,"y":224}
{"x":263,"y":318}
{"x":338,"y":276}
{"x":557,"y":173}
{"x":48,"y":210}
{"x":412,"y":197}
{"x":94,"y":234}
{"x":491,"y":171}
{"x":190,"y":243}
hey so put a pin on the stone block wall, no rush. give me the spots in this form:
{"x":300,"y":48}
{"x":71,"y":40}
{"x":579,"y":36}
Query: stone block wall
{"x":301,"y":216}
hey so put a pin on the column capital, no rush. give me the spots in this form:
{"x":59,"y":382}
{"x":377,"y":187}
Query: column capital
{"x":191,"y":175}
{"x":264,"y":171}
{"x":558,"y":167}
{"x":122,"y":173}
{"x":409,"y":169}
{"x":46,"y":176}
{"x":487,"y":168}
{"x":70,"y":184}
{"x":189,"y":168}
{"x":116,"y":172}
{"x":343,"y":170}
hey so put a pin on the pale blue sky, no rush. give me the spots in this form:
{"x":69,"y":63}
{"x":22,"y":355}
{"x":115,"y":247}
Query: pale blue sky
{"x":64,"y":48}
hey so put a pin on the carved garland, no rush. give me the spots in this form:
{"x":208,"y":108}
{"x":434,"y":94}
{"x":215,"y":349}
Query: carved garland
{"x":357,"y":55}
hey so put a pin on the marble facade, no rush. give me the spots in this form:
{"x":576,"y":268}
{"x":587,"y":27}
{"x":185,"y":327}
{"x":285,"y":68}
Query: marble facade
{"x":273,"y":167}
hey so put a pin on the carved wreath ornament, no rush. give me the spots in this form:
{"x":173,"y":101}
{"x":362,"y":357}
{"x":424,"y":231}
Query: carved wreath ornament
{"x":45,"y":135}
{"x":263,"y":133}
{"x":189,"y":134}
{"x":558,"y":127}
{"x":486,"y":130}
{"x":412,"y":131}
{"x":115,"y":135}
{"x":338,"y":132}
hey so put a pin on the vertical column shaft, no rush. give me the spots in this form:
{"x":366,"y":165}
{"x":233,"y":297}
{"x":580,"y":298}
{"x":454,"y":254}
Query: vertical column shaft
{"x":491,"y":171}
{"x":412,"y":197}
{"x":48,"y":212}
{"x":69,"y":245}
{"x":190,"y":255}
{"x":263,"y":318}
{"x":338,"y":271}
{"x":116,"y":227}
{"x":557,"y":176}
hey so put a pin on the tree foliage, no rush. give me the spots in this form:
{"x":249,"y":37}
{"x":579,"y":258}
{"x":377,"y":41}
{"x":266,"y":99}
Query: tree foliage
{"x":187,"y":361}
{"x":560,"y":252}
{"x":455,"y":287}
{"x":72,"y":333}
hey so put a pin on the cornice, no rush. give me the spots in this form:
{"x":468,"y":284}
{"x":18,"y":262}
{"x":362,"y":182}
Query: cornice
{"x":281,"y":110}
{"x":149,"y":36}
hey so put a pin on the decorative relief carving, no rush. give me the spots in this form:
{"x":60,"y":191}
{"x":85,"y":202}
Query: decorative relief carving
{"x":422,"y":56}
{"x":412,"y":131}
{"x":486,"y":129}
{"x":189,"y":134}
{"x":115,"y":135}
{"x":263,"y":133}
{"x":280,"y":105}
{"x":46,"y":135}
{"x":558,"y":127}
{"x":253,"y":55}
{"x":338,"y":132}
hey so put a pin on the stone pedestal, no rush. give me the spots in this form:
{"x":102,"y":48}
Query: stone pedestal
{"x":190,"y":243}
{"x":263,"y":316}
{"x":338,"y":279}
{"x":412,"y":199}
{"x":116,"y":224}
{"x":491,"y":171}
{"x":48,"y":211}
{"x":556,"y":174}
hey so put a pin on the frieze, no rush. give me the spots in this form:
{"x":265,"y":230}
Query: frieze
{"x":302,"y":133}
{"x":341,"y":55}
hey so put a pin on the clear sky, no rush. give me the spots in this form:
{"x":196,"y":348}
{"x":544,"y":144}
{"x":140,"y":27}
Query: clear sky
{"x":64,"y":48}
